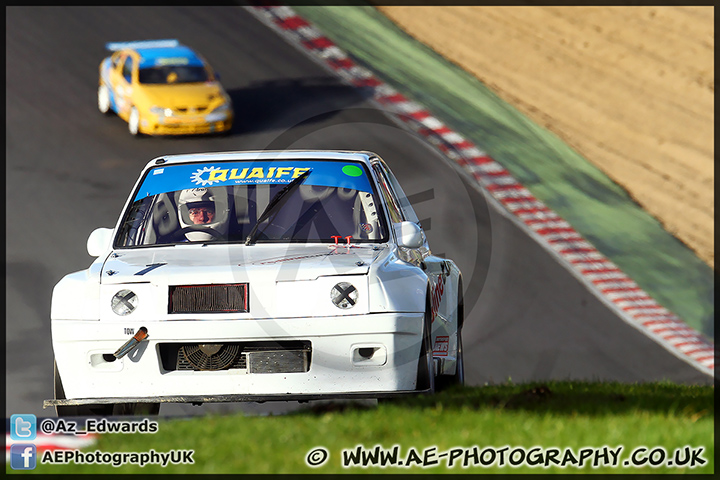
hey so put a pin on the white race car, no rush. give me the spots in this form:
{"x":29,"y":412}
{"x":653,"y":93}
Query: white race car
{"x":256,"y":276}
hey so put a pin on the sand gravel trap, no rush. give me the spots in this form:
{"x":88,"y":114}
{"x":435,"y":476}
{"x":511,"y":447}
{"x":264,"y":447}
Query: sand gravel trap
{"x":630,"y":88}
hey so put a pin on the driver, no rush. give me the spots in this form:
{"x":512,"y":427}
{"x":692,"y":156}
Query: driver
{"x":204,"y":208}
{"x":202,"y":214}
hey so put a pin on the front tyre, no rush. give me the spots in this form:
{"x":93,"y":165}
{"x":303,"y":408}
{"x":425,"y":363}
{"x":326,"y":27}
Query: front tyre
{"x":99,"y":410}
{"x":134,"y":122}
{"x":426,"y":368}
{"x":76,"y":410}
{"x":445,"y":381}
{"x":103,"y":99}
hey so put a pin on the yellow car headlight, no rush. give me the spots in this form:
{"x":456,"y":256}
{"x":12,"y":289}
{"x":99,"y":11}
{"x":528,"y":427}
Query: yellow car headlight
{"x":222,"y":108}
{"x":219,"y":114}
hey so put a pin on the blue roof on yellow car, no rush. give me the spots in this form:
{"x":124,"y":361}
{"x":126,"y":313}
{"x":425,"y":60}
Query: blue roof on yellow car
{"x":159,"y":52}
{"x":180,"y":55}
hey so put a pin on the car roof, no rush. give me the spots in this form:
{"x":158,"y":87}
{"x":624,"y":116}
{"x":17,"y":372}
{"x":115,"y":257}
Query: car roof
{"x":158,"y":52}
{"x":342,"y":155}
{"x":153,"y":56}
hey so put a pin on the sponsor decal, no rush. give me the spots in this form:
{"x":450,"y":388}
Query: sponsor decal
{"x":172,"y":61}
{"x":436,"y":292}
{"x":211,"y":175}
{"x":441,"y":346}
{"x":325,"y":173}
{"x":352,"y":170}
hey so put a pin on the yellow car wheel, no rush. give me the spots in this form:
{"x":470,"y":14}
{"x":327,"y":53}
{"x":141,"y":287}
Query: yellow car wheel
{"x":103,"y":99}
{"x":134,"y":122}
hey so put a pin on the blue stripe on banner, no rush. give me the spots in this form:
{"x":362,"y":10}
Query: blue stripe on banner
{"x":170,"y":178}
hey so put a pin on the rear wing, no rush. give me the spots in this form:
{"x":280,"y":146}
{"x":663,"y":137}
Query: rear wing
{"x":169,"y":43}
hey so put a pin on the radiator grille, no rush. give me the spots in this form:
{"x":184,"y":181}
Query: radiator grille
{"x":232,"y":298}
{"x":192,"y":110}
{"x":253,"y":357}
{"x":239,"y":361}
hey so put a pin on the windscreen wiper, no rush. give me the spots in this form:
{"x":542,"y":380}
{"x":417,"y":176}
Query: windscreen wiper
{"x":275,"y":204}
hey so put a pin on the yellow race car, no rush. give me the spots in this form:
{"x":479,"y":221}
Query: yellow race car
{"x":161,"y":87}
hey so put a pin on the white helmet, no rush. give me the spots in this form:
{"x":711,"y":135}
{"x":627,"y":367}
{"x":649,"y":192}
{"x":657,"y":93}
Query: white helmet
{"x":215,"y":198}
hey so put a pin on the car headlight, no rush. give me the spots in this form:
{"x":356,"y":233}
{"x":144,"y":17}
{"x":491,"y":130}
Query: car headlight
{"x":222,"y":108}
{"x":344,"y":295}
{"x":219,"y":114}
{"x":124,"y":302}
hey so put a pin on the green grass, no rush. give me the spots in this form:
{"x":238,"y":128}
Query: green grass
{"x":561,"y":415}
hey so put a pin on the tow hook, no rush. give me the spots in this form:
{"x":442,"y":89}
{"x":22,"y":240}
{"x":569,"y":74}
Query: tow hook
{"x":131,"y":344}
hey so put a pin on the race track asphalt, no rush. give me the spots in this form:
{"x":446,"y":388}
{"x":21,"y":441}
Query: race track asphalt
{"x":69,"y":170}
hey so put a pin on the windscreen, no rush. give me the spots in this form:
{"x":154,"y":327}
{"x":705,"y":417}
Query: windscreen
{"x":221,"y":202}
{"x":172,"y":74}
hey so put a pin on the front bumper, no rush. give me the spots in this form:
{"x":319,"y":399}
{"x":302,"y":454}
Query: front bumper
{"x":186,"y":127}
{"x":337,"y":368}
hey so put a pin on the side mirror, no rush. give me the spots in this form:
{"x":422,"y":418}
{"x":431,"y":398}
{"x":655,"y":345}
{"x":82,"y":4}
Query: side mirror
{"x":409,"y":234}
{"x":99,"y":241}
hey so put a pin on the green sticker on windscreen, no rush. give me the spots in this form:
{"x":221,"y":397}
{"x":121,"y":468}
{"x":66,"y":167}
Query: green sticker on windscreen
{"x":352,"y":170}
